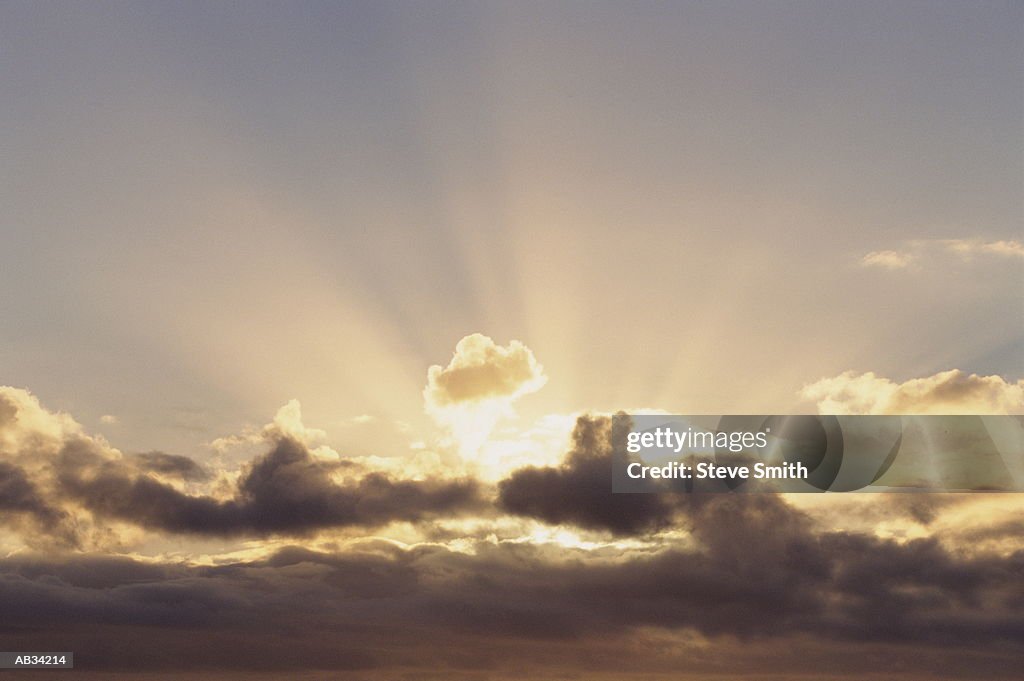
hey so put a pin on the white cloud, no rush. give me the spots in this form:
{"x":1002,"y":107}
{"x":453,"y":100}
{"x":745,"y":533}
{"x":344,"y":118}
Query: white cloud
{"x":948,"y":392}
{"x":890,"y":260}
{"x":481,"y":370}
{"x":914,"y":252}
{"x":287,"y":423}
{"x":477,"y":388}
{"x":32,"y":441}
{"x":26,"y":426}
{"x":968,"y":248}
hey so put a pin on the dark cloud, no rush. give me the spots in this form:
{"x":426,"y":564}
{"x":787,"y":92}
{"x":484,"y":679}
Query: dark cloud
{"x":793,"y":602}
{"x":922,"y":508}
{"x":922,"y":592}
{"x":578,"y":492}
{"x":18,"y":494}
{"x":285,"y":491}
{"x":761,"y":567}
{"x":88,"y":571}
{"x":171,"y":465}
{"x":24,"y":506}
{"x":752,"y":586}
{"x":1001,"y":529}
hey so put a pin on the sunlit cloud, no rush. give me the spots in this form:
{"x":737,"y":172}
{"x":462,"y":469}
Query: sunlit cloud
{"x":227,"y":280}
{"x":61,"y":486}
{"x":481,"y":370}
{"x":890,"y":260}
{"x":948,"y":392}
{"x":971,"y":247}
{"x":287,"y":423}
{"x":478,"y":387}
{"x":919,"y":251}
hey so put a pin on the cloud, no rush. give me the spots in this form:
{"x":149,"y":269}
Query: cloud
{"x":481,"y":370}
{"x":170,"y":465}
{"x":24,"y":424}
{"x":890,"y":260}
{"x":23,"y":503}
{"x":760,"y":592}
{"x":287,"y":423}
{"x":720,"y":584}
{"x":470,"y":396}
{"x":285,"y":491}
{"x":920,"y":250}
{"x":948,"y":392}
{"x":51,"y":471}
{"x":578,"y":492}
{"x":971,"y":247}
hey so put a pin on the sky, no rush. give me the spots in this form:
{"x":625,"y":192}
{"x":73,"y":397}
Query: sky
{"x":314,"y":313}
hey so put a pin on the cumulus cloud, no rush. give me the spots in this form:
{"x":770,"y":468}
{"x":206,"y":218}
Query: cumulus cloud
{"x":471,"y":395}
{"x":948,"y":392}
{"x":24,"y":506}
{"x":578,"y":491}
{"x":730,"y":584}
{"x":25,"y":425}
{"x":482,"y":370}
{"x":286,"y":491}
{"x":287,"y":423}
{"x":170,"y":465}
{"x":50,"y":472}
